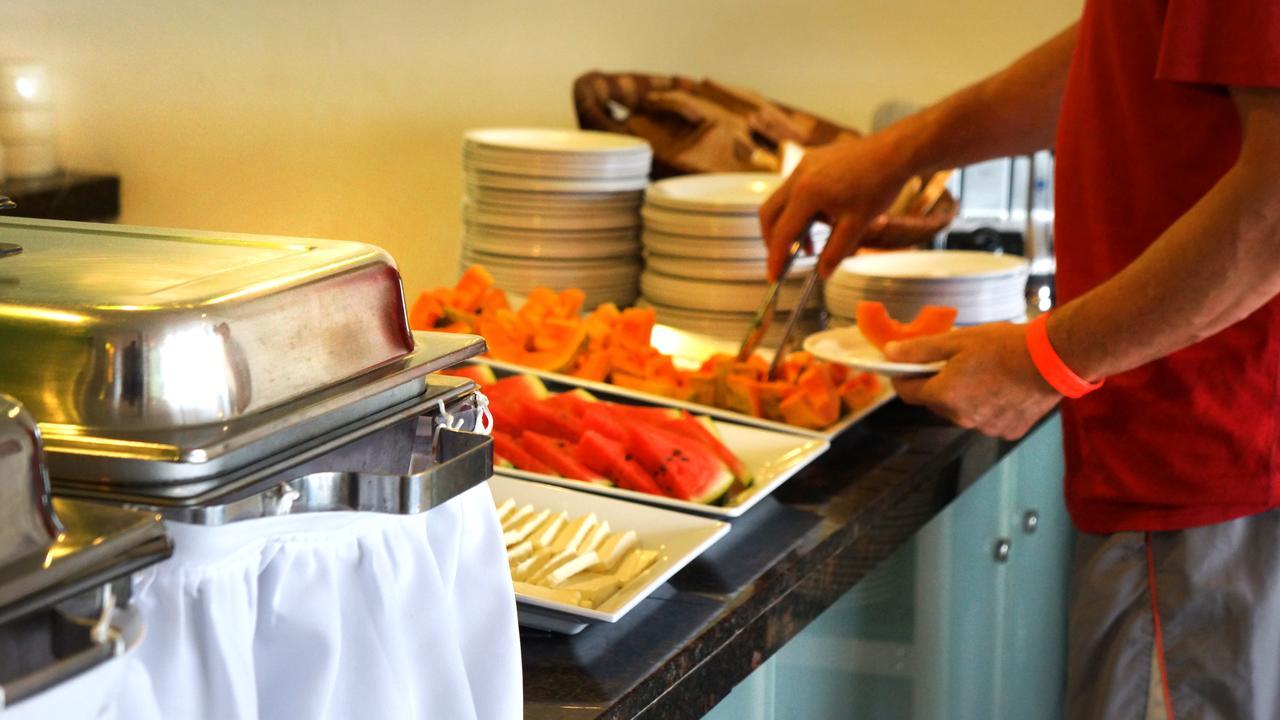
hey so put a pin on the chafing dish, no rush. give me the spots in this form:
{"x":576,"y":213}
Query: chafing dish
{"x":216,"y":377}
{"x":64,"y":570}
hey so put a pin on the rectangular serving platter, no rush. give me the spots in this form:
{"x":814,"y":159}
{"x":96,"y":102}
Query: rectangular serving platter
{"x":773,"y":458}
{"x":681,"y":537}
{"x":828,"y":433}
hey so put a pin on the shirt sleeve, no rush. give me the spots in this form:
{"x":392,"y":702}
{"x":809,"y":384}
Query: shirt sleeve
{"x":1221,"y":42}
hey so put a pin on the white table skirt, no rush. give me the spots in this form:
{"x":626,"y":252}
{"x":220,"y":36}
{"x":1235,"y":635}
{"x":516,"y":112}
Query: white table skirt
{"x":333,"y":615}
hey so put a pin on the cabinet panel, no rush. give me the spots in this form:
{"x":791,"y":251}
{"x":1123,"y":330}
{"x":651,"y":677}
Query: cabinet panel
{"x":943,"y":629}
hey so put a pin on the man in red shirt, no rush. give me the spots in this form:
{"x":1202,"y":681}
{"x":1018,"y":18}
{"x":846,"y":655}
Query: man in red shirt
{"x":1165,"y":116}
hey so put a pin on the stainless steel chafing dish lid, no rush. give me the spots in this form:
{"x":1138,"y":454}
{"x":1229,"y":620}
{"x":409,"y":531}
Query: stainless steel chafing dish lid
{"x":51,"y":550}
{"x":107,"y":326}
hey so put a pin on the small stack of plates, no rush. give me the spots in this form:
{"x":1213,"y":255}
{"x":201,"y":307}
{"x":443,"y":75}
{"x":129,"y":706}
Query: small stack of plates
{"x":981,"y":287}
{"x":704,"y":254}
{"x":555,"y":208}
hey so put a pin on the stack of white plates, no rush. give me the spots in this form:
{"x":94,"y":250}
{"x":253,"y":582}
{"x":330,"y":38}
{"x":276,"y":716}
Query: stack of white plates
{"x":704,"y":255}
{"x":555,"y":208}
{"x":981,"y":287}
{"x":730,"y":327}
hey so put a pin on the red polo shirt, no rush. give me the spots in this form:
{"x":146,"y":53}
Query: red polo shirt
{"x":1147,"y":128}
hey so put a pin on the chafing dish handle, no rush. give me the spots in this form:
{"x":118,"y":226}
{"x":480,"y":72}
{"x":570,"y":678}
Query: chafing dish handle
{"x":99,"y":647}
{"x":466,"y":460}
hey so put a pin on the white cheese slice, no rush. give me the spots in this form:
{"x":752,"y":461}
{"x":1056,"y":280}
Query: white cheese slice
{"x":545,"y":535}
{"x":560,"y":575}
{"x":518,"y":532}
{"x":560,"y":558}
{"x":595,"y":588}
{"x":569,"y":597}
{"x":613,"y":549}
{"x":520,"y":552}
{"x":571,"y":537}
{"x":505,"y":508}
{"x":516,"y":516}
{"x":625,"y":592}
{"x":530,"y":565}
{"x":597,"y":536}
{"x":636,"y":562}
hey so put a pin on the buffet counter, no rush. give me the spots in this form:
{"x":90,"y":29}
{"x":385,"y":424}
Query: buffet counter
{"x":685,"y":648}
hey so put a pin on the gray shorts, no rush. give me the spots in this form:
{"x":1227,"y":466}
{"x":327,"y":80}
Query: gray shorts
{"x":1181,"y":625}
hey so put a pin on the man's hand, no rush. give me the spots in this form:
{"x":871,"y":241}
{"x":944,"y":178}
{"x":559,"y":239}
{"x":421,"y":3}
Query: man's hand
{"x":989,"y":382}
{"x":847,"y":184}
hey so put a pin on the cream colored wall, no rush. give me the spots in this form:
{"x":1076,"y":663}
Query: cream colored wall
{"x":343,"y":119}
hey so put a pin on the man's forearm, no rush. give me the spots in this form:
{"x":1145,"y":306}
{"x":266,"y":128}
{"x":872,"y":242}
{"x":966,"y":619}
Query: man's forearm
{"x":1013,"y":112}
{"x":1213,"y":267}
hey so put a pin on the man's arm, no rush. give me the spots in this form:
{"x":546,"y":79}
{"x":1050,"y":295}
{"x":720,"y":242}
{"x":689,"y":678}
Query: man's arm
{"x":1217,"y":264}
{"x":849,"y":184}
{"x":1214,"y":266}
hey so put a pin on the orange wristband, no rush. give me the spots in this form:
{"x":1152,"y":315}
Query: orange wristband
{"x":1052,"y":369}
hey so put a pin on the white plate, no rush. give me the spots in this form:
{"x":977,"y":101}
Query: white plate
{"x":563,"y":201}
{"x":548,"y":247}
{"x":925,"y":266}
{"x":728,"y":327}
{"x":674,"y":245}
{"x":505,"y":181}
{"x":728,"y":270}
{"x":598,"y":171}
{"x":609,"y":392}
{"x":680,"y":536}
{"x":556,"y":222}
{"x":714,"y":192}
{"x":772,"y":457}
{"x":719,"y":226}
{"x":739,"y":297}
{"x":847,"y":346}
{"x":557,"y":141}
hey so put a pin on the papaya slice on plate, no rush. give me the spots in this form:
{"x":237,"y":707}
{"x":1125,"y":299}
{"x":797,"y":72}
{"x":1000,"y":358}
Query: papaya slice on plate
{"x":879,"y":329}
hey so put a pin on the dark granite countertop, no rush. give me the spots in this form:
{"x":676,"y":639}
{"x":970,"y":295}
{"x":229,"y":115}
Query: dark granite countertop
{"x":787,"y":560}
{"x":65,"y":195}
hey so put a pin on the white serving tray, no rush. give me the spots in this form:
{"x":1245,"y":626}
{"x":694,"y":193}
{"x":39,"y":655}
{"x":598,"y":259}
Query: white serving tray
{"x":606,"y":390}
{"x":680,"y":537}
{"x":772,"y":457}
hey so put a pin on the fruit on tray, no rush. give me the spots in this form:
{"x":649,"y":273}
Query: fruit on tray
{"x":610,"y":345}
{"x":879,"y":329}
{"x":578,"y":561}
{"x":658,"y":451}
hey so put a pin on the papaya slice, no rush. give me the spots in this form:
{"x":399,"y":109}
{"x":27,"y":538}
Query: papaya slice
{"x":426,"y":312}
{"x":471,"y":288}
{"x":879,"y":329}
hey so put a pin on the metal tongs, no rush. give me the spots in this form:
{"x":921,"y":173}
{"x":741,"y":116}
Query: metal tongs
{"x":769,"y":308}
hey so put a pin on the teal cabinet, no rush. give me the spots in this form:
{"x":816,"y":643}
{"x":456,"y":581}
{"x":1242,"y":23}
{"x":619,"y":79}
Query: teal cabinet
{"x":966,"y":621}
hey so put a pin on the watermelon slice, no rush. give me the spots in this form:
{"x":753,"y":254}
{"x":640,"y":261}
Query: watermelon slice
{"x":516,"y":387}
{"x":575,"y":401}
{"x":481,"y":375}
{"x":682,"y":466}
{"x":610,"y":458}
{"x":561,"y":455}
{"x":650,"y":415}
{"x":508,"y":416}
{"x":703,"y":430}
{"x":604,"y":419}
{"x":506,"y":447}
{"x":546,"y":419}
